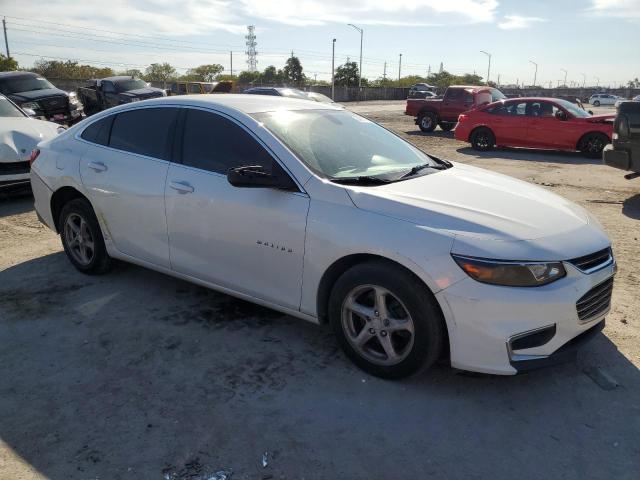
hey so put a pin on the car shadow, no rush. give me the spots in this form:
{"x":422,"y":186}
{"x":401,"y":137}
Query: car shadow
{"x":545,"y":156}
{"x":15,"y":204}
{"x":631,"y":207}
{"x":436,"y":133}
{"x":139,"y":375}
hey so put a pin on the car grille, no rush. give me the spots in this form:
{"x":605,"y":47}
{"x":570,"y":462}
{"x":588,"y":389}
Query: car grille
{"x":593,"y":261}
{"x":54,"y":105}
{"x":596,"y":301}
{"x":14,"y":168}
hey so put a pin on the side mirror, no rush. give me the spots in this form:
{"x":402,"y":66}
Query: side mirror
{"x":561,"y":115}
{"x":29,"y":111}
{"x":255,"y":176}
{"x":590,"y":112}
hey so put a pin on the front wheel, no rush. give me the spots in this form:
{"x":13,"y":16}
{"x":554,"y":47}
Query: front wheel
{"x":386,"y":320}
{"x":593,"y":144}
{"x":427,"y":122}
{"x":596,"y":103}
{"x":82,"y":238}
{"x":483,"y":139}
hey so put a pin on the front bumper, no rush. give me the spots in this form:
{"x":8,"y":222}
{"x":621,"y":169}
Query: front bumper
{"x":482,"y":319}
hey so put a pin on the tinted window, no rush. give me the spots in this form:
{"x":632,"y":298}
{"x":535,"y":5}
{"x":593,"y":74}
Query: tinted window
{"x":213,"y":143}
{"x":108,"y":87}
{"x":182,"y":88}
{"x":147,"y":131}
{"x":98,"y":132}
{"x":542,"y":109}
{"x":453,"y":93}
{"x":194,"y":88}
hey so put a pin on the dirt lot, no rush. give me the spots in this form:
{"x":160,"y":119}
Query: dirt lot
{"x":136,"y":375}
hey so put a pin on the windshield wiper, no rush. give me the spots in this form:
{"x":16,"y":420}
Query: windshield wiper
{"x":361,"y":180}
{"x":415,"y":170}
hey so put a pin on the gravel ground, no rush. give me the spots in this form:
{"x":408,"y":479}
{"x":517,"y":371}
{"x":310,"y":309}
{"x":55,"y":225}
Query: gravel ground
{"x":136,"y":375}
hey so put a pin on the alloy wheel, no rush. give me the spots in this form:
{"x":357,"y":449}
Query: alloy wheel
{"x":426,"y":122}
{"x":79,"y":239}
{"x":377,"y":325}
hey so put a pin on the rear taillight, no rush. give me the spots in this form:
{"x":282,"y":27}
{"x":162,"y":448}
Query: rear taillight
{"x":34,"y":154}
{"x":461,"y":118}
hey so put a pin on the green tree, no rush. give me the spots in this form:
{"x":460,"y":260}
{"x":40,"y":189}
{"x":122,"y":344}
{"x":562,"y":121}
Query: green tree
{"x":293,"y":72}
{"x":347,"y":74}
{"x":8,"y":64}
{"x":470,"y":79}
{"x":133,"y":72}
{"x":635,"y":83}
{"x":205,"y":73}
{"x":272,"y":76}
{"x":159,"y":72}
{"x":69,"y":69}
{"x":248,"y":77}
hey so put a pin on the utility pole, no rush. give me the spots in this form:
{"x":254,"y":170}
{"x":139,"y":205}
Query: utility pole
{"x":565,"y":76}
{"x":429,"y":71}
{"x":6,"y":42}
{"x":333,"y":70}
{"x":231,"y":55}
{"x":535,"y":75}
{"x":384,"y":72}
{"x":584,"y":79}
{"x":399,"y":69}
{"x":489,"y":68}
{"x":360,"y":67}
{"x":498,"y":80}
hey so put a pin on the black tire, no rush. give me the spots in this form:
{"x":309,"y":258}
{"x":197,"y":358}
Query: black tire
{"x":483,"y":139}
{"x":446,"y":126}
{"x":593,"y":144}
{"x":99,"y":261}
{"x":427,"y":121}
{"x":428,"y":324}
{"x":596,"y":103}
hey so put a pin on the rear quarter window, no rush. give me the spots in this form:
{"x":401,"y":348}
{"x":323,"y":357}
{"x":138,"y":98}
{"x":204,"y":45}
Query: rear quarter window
{"x":98,"y":132}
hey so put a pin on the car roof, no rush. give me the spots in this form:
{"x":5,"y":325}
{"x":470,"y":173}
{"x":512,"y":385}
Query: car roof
{"x":118,"y":77}
{"x":18,"y":74}
{"x":244,"y":103}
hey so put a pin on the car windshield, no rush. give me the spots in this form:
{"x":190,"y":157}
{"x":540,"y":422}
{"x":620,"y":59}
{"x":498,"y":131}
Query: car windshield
{"x":8,"y":109}
{"x":573,"y":109}
{"x":127,"y":85}
{"x":318,"y":97}
{"x":293,"y":93}
{"x":341,"y":144}
{"x":26,"y":83}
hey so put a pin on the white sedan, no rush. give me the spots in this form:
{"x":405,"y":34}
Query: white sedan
{"x":19,"y":135}
{"x":322,"y":214}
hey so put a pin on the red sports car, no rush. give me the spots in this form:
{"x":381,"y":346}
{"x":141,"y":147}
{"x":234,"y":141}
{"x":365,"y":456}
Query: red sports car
{"x":548,"y":123}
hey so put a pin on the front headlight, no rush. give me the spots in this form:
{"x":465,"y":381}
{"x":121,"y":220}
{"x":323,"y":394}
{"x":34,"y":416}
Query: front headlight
{"x":31,"y":105}
{"x":73,"y":98}
{"x":510,"y":273}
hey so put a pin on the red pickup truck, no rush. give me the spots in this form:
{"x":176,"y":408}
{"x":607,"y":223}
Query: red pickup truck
{"x":444,"y":111}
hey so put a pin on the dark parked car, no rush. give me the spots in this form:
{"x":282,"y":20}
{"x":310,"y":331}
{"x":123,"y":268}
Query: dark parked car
{"x":277,"y":92}
{"x":109,"y":92}
{"x":421,"y":90}
{"x":31,"y":91}
{"x":624,"y":152}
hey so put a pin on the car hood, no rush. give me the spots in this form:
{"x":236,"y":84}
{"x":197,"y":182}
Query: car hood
{"x":20,"y":97}
{"x":141,"y":92}
{"x":18,"y":136}
{"x":604,"y":118}
{"x":472,"y":202}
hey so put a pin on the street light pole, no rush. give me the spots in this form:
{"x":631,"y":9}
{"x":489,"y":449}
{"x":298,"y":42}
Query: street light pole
{"x":584,"y":80}
{"x":535,"y":75}
{"x":399,"y":69}
{"x":489,"y":68}
{"x":333,"y":69}
{"x":565,"y":76}
{"x":360,"y":67}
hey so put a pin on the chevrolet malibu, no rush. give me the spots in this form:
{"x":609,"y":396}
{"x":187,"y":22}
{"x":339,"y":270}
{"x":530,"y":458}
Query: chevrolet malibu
{"x":324,"y":215}
{"x":547,"y":123}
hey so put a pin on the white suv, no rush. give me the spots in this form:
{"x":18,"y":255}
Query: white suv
{"x":603,"y":99}
{"x":322,"y":214}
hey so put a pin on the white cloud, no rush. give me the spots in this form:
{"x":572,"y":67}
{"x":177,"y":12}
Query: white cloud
{"x":629,"y":9}
{"x":513,"y":22}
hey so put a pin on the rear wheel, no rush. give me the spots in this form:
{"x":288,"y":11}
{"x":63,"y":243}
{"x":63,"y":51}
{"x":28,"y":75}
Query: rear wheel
{"x":427,"y":121}
{"x":596,"y":103}
{"x":593,"y":144}
{"x":386,"y":320}
{"x":483,"y":139}
{"x":447,"y":126}
{"x":82,"y":238}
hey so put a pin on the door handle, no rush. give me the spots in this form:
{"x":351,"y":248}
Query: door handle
{"x":97,"y":166}
{"x":182,"y":187}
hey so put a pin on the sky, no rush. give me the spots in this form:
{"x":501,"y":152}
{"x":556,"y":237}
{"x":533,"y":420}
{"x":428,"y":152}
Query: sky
{"x":595,"y":41}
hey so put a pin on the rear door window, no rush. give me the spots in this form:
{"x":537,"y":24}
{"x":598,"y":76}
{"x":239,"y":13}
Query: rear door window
{"x":147,"y":131}
{"x":98,"y":132}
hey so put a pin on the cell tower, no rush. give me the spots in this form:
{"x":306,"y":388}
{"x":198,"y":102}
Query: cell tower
{"x":251,"y":48}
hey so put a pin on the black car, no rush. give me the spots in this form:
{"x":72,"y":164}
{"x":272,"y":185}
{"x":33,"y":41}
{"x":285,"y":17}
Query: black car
{"x":31,"y":91}
{"x":277,"y":92}
{"x":109,"y":92}
{"x":624,"y":151}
